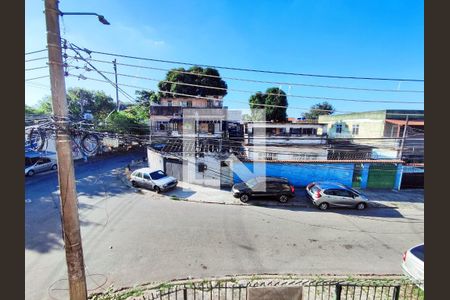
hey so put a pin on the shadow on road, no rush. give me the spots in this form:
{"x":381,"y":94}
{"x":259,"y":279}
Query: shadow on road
{"x":180,"y":192}
{"x":300,"y":203}
{"x":96,"y":181}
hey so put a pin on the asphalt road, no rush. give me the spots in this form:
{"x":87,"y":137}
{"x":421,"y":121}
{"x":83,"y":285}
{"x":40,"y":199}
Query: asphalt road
{"x":131,"y":238}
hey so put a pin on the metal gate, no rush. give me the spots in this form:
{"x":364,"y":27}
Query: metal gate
{"x":381,"y":176}
{"x":174,"y":168}
{"x":413,"y":181}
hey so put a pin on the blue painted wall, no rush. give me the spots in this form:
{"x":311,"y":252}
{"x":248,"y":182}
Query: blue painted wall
{"x":299,"y":174}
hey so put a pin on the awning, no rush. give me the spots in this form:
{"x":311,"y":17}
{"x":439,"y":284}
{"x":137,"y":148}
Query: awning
{"x":403,"y":122}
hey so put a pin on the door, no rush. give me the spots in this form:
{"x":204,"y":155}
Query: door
{"x":333,"y":197}
{"x":381,"y":176}
{"x":273,"y":189}
{"x":346,"y":198}
{"x":147,"y":181}
{"x":41,"y":164}
{"x":138,"y":178}
{"x":259,"y":190}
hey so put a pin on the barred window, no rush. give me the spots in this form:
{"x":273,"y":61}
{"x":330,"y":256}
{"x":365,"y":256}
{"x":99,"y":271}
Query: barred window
{"x":355,"y":129}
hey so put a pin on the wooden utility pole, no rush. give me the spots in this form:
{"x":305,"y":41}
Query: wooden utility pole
{"x":66,"y":177}
{"x":117,"y":87}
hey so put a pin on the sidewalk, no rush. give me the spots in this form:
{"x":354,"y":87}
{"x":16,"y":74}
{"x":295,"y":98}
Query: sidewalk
{"x":197,"y":193}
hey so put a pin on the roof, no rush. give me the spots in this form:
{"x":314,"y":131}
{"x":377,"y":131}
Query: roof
{"x":332,"y":161}
{"x":272,"y":178}
{"x":32,"y":154}
{"x":147,"y":170}
{"x":329,"y":184}
{"x":403,"y":122}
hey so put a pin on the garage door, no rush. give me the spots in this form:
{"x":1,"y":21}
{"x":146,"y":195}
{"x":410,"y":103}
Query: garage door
{"x":381,"y":176}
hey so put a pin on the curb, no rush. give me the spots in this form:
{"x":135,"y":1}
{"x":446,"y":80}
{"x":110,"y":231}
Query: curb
{"x":124,"y":178}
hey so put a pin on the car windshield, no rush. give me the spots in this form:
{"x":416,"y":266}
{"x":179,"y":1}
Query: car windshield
{"x":252,"y":182}
{"x":157,"y":175}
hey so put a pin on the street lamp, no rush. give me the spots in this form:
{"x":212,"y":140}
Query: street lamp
{"x":100,"y":17}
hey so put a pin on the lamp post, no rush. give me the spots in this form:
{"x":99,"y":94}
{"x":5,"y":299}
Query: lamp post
{"x":68,"y":195}
{"x":100,"y":17}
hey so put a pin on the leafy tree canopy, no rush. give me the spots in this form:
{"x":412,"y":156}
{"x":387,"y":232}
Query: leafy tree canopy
{"x":97,"y":102}
{"x":145,"y":98}
{"x":181,"y":81}
{"x":319,"y":109}
{"x":261,"y":102}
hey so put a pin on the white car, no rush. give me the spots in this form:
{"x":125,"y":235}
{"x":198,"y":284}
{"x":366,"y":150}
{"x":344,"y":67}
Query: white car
{"x":154,"y":180}
{"x":39,"y":164}
{"x":413,"y":264}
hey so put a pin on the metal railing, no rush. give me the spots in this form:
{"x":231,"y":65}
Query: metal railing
{"x":311,"y":290}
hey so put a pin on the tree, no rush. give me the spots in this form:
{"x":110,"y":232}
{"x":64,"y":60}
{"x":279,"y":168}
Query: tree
{"x":186,"y":83}
{"x":319,"y":109}
{"x":273,"y":103}
{"x":145,"y":98}
{"x":97,"y":102}
{"x":125,"y":122}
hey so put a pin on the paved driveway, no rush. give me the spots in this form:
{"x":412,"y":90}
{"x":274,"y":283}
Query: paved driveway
{"x":135,"y":237}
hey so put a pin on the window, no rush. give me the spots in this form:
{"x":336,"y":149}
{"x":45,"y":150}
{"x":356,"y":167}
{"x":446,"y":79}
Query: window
{"x":344,"y":193}
{"x":169,"y":103}
{"x":339,"y":128}
{"x":189,"y":103}
{"x":43,"y":161}
{"x":271,"y":156}
{"x":355,"y":129}
{"x":330,"y":192}
{"x":146,"y":176}
{"x":273,"y":187}
{"x":138,"y":174}
{"x":157,"y":175}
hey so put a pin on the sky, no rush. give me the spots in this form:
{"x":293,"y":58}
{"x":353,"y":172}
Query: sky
{"x":380,"y":38}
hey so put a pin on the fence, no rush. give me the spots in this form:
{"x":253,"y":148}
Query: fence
{"x":311,"y":290}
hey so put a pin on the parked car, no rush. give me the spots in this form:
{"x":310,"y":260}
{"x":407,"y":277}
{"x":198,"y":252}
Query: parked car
{"x":35,"y":165}
{"x":157,"y":181}
{"x":333,"y":194}
{"x":413,"y":261}
{"x":273,"y":187}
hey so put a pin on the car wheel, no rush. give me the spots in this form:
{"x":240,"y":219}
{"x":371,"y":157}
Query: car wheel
{"x":54,"y":167}
{"x":244,"y":198}
{"x":133,"y":183}
{"x":283,"y":199}
{"x":30,"y":173}
{"x":323,"y":206}
{"x":361,"y":206}
{"x":157,"y":189}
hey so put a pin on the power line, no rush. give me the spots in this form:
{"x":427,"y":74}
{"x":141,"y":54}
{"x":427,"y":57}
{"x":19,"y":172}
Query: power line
{"x":45,"y":76}
{"x":253,"y":70}
{"x":258,"y":81}
{"x":237,"y":101}
{"x":274,"y":94}
{"x":99,"y":72}
{"x":33,"y":52}
{"x":34,"y":59}
{"x":37,"y":68}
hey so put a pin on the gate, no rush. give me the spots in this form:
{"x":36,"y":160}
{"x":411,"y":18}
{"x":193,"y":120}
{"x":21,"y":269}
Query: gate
{"x":413,"y":181}
{"x":381,"y":176}
{"x":173,"y":167}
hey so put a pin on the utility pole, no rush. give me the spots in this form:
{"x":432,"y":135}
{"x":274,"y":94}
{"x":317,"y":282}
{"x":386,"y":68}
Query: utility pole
{"x":68,"y":196}
{"x":403,"y":137}
{"x":117,"y":87}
